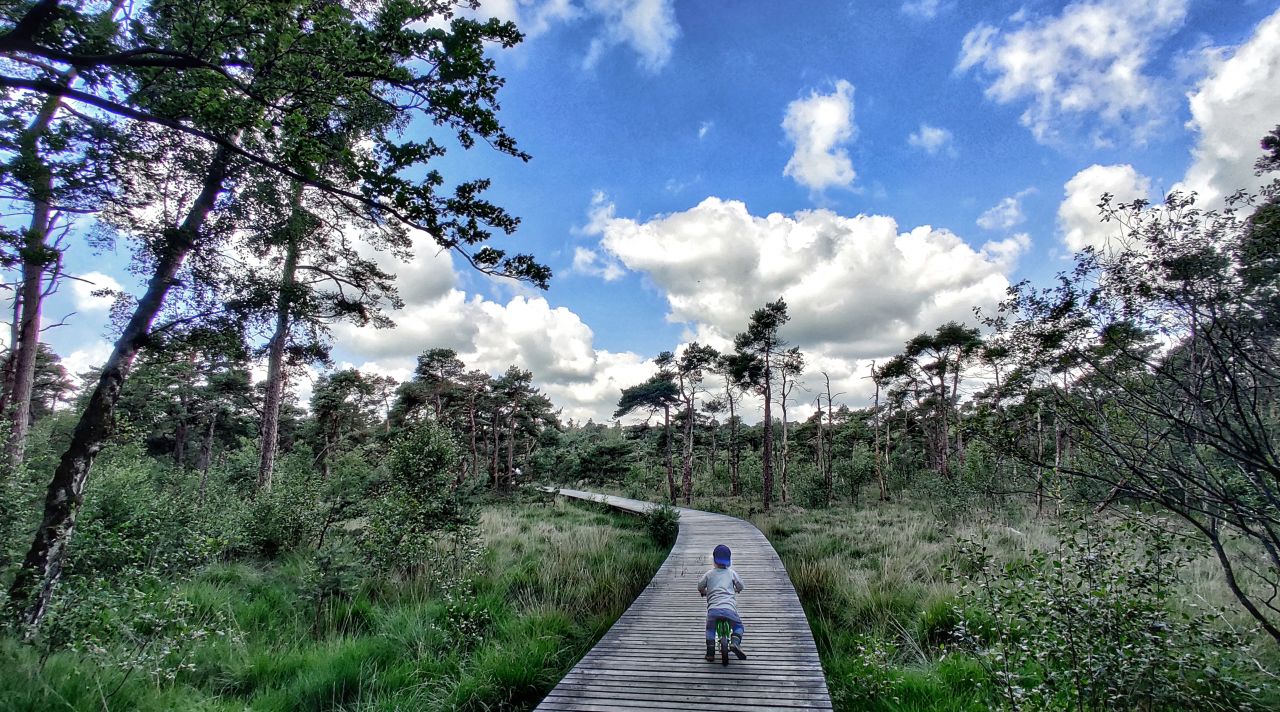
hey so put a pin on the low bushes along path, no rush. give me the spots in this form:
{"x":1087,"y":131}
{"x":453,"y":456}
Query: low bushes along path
{"x":651,"y":659}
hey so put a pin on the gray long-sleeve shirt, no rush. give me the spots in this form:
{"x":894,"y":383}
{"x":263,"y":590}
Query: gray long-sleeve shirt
{"x":721,"y":587}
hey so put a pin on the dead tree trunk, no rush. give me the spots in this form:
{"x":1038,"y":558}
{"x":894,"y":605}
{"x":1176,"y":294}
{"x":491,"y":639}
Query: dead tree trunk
{"x":786,"y":445}
{"x":734,"y":456}
{"x":671,"y":477}
{"x":42,"y":567}
{"x":686,"y":469}
{"x":767,"y":455}
{"x":880,"y":474}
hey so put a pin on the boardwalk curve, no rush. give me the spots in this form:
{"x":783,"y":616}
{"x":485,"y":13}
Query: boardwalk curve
{"x":651,"y":659}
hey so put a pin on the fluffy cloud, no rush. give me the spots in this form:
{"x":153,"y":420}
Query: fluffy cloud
{"x":588,"y":261}
{"x":705,"y":129}
{"x":647,"y":26}
{"x":1005,"y":214}
{"x":533,"y":16}
{"x":84,"y":359}
{"x":1232,"y":108}
{"x":83,"y":290}
{"x":1088,"y":62}
{"x":525,"y":331}
{"x":857,"y":287}
{"x":932,"y":139}
{"x":820,"y":125}
{"x":1078,"y":218}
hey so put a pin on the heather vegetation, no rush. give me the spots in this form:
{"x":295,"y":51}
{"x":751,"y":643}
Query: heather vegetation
{"x":1067,"y":503}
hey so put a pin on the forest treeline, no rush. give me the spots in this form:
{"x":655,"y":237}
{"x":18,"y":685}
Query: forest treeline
{"x":262,"y":161}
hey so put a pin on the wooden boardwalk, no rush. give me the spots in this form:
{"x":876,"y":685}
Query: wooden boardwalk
{"x":651,"y":659}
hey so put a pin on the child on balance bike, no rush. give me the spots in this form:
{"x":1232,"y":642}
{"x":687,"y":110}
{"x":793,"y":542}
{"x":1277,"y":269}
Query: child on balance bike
{"x":720,"y":586}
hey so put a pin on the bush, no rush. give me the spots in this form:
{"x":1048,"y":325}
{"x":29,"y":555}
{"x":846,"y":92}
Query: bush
{"x":422,"y":519}
{"x":663,"y":524}
{"x":284,"y":518}
{"x":1092,"y":625}
{"x":137,"y":623}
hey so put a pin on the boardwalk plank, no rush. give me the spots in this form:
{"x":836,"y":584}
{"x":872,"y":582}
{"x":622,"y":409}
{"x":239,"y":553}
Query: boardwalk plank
{"x":651,"y":658}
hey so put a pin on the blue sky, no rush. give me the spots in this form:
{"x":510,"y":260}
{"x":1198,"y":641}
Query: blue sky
{"x":972,"y":138}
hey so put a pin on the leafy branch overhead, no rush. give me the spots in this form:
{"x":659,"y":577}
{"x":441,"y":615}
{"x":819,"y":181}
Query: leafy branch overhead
{"x":228,"y":73}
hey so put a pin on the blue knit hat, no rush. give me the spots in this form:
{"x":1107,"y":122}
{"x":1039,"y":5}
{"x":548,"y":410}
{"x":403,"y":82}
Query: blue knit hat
{"x":721,"y":555}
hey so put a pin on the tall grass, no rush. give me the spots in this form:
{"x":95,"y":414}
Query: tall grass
{"x":553,"y":579}
{"x":879,"y":584}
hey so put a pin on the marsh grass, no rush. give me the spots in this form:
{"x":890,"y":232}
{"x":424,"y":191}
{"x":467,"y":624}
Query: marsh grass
{"x":879,"y":584}
{"x":553,"y":578}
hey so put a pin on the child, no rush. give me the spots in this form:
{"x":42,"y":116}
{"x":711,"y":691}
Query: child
{"x":720,"y":586}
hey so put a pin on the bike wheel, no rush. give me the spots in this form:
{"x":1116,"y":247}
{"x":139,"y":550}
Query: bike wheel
{"x":724,"y":649}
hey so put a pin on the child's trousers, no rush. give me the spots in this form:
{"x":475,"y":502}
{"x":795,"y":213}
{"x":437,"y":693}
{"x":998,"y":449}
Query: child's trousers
{"x":715,"y":614}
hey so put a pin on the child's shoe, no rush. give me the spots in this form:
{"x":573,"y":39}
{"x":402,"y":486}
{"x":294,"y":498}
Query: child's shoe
{"x":735,"y":644}
{"x":711,"y":651}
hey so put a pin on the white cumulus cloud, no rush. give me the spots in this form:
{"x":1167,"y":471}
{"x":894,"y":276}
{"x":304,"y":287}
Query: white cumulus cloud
{"x":589,"y":262}
{"x":820,"y":126}
{"x":1079,"y":218}
{"x":83,"y":289}
{"x":1232,"y":108}
{"x":648,"y":27}
{"x":857,"y":287}
{"x":1006,"y":214}
{"x":86,"y":358}
{"x":1088,"y":63}
{"x":525,"y":331}
{"x":932,"y":139}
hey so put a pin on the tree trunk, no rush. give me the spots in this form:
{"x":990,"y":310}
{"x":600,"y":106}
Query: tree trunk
{"x":275,"y":355}
{"x":34,"y":264}
{"x":944,"y":438}
{"x":324,"y":455}
{"x":511,"y":448}
{"x":32,"y":588}
{"x":671,"y":477}
{"x":686,"y":470}
{"x":494,"y":480}
{"x":767,"y":456}
{"x":180,"y":443}
{"x":36,"y":257}
{"x":1039,"y":461}
{"x":206,"y":453}
{"x":15,"y":328}
{"x":880,"y":478}
{"x":786,"y":446}
{"x":715,"y":427}
{"x":955,"y":396}
{"x":820,"y":460}
{"x":475,"y":459}
{"x":735,"y":484}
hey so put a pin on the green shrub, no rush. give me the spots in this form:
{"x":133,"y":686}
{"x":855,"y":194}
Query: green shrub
{"x":421,"y":515}
{"x":282,"y":519}
{"x":663,"y":524}
{"x":1093,"y":625}
{"x":137,"y":624}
